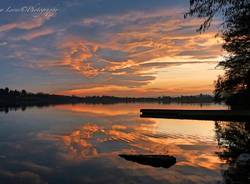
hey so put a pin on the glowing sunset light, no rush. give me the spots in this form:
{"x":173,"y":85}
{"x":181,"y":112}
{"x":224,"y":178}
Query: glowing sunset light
{"x":133,"y":52}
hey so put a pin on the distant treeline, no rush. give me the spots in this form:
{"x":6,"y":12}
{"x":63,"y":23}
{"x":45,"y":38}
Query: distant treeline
{"x":164,"y":99}
{"x":21,"y":99}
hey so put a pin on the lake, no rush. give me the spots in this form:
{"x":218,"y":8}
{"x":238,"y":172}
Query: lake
{"x":81,"y":144}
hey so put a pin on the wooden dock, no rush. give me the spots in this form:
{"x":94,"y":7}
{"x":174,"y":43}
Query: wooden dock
{"x":216,"y":115}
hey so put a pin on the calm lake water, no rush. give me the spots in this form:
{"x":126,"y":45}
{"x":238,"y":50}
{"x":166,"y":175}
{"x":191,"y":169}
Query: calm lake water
{"x":81,"y":144}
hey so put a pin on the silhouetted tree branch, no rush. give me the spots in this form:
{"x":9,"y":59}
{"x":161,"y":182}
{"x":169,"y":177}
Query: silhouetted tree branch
{"x":234,"y":86}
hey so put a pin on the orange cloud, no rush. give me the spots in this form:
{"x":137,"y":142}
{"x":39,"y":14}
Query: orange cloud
{"x":77,"y":54}
{"x":131,"y":59}
{"x":27,"y":24}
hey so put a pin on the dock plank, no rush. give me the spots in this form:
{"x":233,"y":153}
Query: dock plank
{"x":217,"y":115}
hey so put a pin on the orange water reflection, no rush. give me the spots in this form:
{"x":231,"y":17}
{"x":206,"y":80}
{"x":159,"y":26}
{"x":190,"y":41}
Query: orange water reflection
{"x":116,"y":129}
{"x":132,"y":108}
{"x":192,"y":142}
{"x":84,"y":141}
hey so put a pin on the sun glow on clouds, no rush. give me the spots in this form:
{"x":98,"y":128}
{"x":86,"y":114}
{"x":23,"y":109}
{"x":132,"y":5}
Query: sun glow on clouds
{"x":132,"y":53}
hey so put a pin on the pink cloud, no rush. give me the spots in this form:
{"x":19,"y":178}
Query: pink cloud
{"x":36,"y":34}
{"x":27,"y":24}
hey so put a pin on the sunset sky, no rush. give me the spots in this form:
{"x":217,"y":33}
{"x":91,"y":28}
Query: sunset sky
{"x":106,"y":47}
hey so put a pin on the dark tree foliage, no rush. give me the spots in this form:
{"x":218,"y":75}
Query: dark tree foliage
{"x":208,"y":9}
{"x":234,"y":139}
{"x":234,"y":85}
{"x":237,"y":44}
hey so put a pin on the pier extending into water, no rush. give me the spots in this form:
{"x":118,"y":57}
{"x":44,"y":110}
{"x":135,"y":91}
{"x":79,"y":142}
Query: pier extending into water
{"x":217,"y":115}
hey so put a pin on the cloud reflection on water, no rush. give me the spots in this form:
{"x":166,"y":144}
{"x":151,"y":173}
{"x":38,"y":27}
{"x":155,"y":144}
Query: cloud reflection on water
{"x":86,"y":145}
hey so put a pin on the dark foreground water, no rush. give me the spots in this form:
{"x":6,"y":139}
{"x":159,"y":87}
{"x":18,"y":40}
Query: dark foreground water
{"x":81,"y":143}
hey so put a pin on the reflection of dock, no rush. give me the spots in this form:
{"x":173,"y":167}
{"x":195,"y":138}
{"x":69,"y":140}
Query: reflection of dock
{"x":219,"y":115}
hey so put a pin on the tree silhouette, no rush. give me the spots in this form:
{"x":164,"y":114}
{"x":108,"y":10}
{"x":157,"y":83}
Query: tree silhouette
{"x":234,"y":86}
{"x":234,"y":140}
{"x":15,"y":99}
{"x":23,"y":92}
{"x":208,"y":9}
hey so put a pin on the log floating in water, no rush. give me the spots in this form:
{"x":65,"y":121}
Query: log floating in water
{"x":165,"y":161}
{"x":219,"y":115}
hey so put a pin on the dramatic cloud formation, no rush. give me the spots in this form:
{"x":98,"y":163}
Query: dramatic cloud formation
{"x":107,"y":47}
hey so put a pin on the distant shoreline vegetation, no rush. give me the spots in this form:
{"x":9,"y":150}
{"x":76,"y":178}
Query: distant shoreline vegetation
{"x":22,"y":99}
